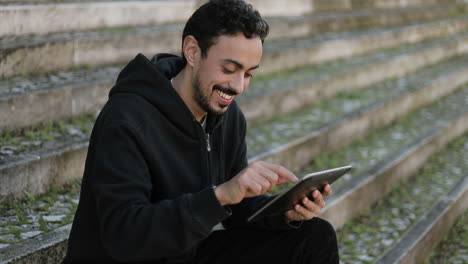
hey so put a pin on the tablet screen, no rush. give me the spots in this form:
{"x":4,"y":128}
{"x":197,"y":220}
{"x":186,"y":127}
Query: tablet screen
{"x":303,"y":188}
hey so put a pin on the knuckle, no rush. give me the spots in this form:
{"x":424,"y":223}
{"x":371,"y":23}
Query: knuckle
{"x":258,"y":189}
{"x":257,"y":164}
{"x":275,"y":177}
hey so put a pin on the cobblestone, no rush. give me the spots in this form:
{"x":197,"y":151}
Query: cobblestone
{"x":35,"y":215}
{"x":9,"y":219}
{"x":30,"y":234}
{"x":8,"y":237}
{"x":53,"y":218}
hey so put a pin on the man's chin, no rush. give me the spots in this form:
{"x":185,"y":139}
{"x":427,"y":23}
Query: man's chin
{"x":219,"y":110}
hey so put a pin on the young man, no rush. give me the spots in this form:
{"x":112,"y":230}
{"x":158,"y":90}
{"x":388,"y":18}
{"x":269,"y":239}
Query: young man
{"x":167,"y":161}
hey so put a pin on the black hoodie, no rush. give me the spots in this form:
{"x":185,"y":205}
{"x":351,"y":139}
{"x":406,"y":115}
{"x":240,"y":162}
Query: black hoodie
{"x":147,"y":191}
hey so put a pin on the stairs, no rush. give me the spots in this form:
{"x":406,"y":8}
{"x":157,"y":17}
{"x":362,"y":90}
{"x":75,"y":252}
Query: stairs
{"x":381,"y":85}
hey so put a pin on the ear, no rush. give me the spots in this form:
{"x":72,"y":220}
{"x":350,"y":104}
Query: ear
{"x":191,"y":50}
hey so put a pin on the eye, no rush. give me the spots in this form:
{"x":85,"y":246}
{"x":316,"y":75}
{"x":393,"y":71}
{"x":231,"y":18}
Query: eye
{"x":226,"y":70}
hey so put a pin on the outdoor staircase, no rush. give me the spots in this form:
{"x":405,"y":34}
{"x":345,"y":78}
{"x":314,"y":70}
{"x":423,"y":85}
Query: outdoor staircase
{"x":378,"y":84}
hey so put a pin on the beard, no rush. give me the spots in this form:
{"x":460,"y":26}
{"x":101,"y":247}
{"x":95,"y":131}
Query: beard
{"x":203,"y":99}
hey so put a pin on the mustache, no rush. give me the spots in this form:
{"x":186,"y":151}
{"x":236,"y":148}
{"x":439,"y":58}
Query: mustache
{"x":225,"y":90}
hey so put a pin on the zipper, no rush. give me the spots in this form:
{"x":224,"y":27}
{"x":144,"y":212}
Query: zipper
{"x":208,"y":159}
{"x":208,"y":146}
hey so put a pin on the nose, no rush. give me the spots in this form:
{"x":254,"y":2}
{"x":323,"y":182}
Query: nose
{"x":237,"y":83}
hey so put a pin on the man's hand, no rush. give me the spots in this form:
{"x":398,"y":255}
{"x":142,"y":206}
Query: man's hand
{"x":258,"y":178}
{"x":308,"y":209}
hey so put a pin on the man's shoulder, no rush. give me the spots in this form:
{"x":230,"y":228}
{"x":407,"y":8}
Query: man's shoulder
{"x":126,"y":109}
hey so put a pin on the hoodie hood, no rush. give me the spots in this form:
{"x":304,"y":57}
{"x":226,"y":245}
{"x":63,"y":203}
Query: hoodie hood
{"x":151,"y":80}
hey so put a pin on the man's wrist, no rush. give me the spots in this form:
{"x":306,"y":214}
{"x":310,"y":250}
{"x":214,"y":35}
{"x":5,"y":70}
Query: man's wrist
{"x":219,"y":195}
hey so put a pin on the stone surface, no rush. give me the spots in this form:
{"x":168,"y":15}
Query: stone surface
{"x":8,"y":219}
{"x":53,"y":218}
{"x":30,"y":234}
{"x":28,"y":19}
{"x":9,"y":237}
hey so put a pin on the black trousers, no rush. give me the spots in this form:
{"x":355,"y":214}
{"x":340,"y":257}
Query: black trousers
{"x":314,"y":242}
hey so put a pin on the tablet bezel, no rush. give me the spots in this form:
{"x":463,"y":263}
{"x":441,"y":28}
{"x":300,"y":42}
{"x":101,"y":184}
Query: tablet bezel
{"x":303,"y":188}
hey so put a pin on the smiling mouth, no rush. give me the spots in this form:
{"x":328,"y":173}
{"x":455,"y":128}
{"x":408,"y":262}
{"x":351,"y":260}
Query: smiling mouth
{"x":224,"y":95}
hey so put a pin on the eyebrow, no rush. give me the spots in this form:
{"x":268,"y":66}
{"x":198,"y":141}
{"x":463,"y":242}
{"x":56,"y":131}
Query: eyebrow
{"x":240,"y":65}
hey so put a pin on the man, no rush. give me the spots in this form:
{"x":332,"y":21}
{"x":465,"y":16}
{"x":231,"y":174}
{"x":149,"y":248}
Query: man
{"x":167,"y":161}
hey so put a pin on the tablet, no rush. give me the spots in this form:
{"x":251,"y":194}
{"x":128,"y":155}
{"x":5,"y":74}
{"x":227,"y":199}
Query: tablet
{"x":303,"y":188}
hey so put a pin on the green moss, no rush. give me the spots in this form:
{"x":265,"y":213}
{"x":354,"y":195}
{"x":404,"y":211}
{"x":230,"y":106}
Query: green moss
{"x":43,"y":132}
{"x":30,"y":201}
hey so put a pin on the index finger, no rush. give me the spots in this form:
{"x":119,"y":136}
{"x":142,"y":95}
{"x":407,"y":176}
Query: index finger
{"x":284,"y":174}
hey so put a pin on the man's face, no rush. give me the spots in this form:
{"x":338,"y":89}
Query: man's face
{"x":225,"y":72}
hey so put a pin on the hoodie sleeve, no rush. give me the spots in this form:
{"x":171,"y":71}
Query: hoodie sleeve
{"x":131,"y":228}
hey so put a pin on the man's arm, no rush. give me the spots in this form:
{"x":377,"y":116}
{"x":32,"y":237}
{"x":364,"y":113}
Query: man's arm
{"x":131,"y":227}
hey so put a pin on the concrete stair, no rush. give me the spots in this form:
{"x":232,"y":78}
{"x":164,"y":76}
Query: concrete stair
{"x":453,"y":248}
{"x":382,"y":85}
{"x":405,"y":224}
{"x":23,"y":16}
{"x":39,"y":54}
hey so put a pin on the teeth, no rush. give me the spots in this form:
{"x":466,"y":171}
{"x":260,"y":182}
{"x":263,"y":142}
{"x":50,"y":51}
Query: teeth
{"x":225,"y":96}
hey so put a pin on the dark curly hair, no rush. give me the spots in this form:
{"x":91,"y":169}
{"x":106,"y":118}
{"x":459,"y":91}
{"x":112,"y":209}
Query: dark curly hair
{"x":224,"y":17}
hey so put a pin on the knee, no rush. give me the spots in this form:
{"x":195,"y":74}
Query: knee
{"x":319,"y":227}
{"x":322,"y":238}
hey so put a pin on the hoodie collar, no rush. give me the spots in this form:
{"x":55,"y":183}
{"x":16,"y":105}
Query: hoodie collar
{"x":170,"y":65}
{"x":151,"y":80}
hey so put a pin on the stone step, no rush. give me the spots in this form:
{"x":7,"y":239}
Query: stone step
{"x":281,"y":55}
{"x":39,"y":54}
{"x":390,"y":154}
{"x":48,"y":248}
{"x":292,"y":139}
{"x":28,"y":17}
{"x":454,"y":247}
{"x":416,"y":244}
{"x":441,"y":182}
{"x":300,"y":26}
{"x":328,"y":5}
{"x":32,"y":159}
{"x":64,"y":94}
{"x":40,"y":19}
{"x":412,"y":130}
{"x":284,"y":91}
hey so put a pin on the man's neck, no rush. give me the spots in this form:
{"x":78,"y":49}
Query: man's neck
{"x":183,"y":85}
